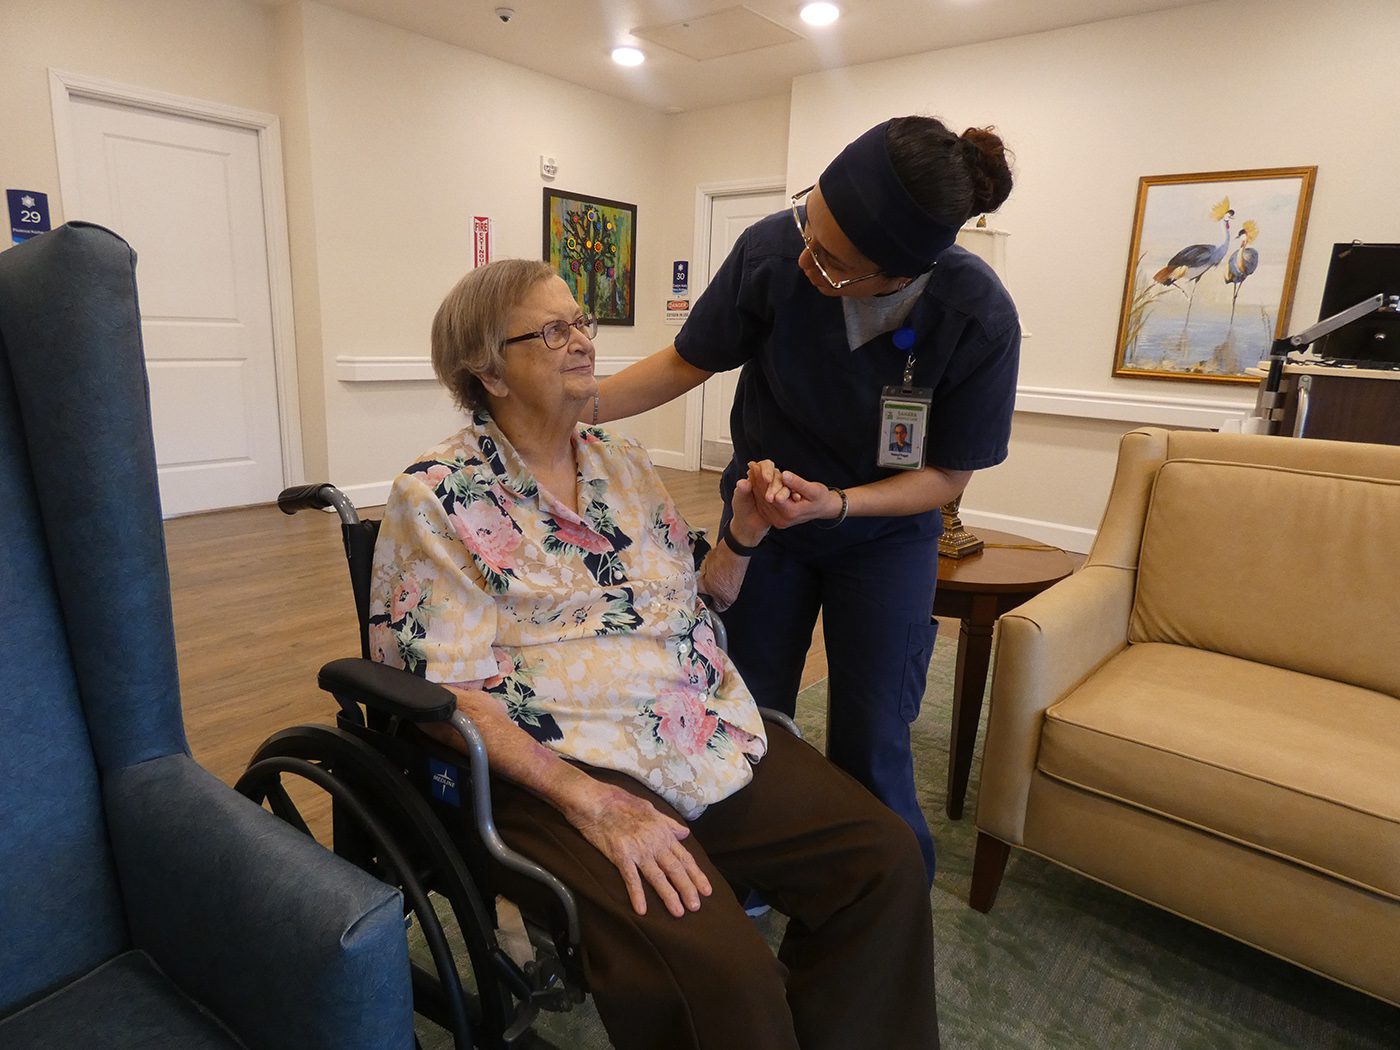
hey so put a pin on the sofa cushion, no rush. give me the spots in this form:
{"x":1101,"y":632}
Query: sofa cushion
{"x":124,"y":1004}
{"x":1292,"y":568}
{"x":1297,"y":766}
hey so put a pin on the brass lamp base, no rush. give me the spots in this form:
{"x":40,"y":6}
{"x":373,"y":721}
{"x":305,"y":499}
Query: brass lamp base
{"x":956,"y":541}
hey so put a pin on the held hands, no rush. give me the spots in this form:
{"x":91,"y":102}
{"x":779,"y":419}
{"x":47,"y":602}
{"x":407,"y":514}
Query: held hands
{"x":783,"y":499}
{"x":748,"y":524}
{"x":642,"y":843}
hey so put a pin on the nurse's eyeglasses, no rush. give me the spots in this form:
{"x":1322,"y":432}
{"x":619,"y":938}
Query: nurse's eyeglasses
{"x":816,"y":259}
{"x":556,"y":333}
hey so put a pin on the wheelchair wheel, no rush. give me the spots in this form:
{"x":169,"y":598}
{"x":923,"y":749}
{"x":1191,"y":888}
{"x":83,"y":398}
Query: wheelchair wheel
{"x":382,"y":825}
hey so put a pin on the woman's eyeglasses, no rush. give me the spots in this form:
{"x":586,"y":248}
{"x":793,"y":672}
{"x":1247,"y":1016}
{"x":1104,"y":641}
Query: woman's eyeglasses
{"x":556,"y":333}
{"x":816,"y":259}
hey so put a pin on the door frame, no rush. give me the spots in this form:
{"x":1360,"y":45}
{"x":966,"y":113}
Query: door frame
{"x":64,"y":87}
{"x":705,"y":195}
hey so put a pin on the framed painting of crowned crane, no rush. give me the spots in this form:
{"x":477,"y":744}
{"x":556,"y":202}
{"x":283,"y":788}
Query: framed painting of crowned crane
{"x":1211,"y":272}
{"x":591,"y":243}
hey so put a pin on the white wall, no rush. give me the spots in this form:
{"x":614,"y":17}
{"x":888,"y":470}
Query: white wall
{"x":408,"y":138}
{"x":712,"y":149}
{"x":1088,"y":110}
{"x":209,"y":49}
{"x":392,"y":141}
{"x":723,"y":144}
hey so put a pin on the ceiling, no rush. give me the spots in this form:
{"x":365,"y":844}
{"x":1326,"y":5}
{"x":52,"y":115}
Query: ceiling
{"x":573,"y":39}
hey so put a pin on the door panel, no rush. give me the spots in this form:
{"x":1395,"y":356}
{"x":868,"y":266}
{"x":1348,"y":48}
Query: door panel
{"x":187,"y":195}
{"x":729,"y":217}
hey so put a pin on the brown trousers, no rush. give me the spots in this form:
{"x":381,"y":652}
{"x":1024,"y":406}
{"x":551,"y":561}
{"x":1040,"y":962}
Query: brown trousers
{"x":855,"y":968}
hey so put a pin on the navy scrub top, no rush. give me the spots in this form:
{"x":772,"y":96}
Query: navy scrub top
{"x":811,"y":404}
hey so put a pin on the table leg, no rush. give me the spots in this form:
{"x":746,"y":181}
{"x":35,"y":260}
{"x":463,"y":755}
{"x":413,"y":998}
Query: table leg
{"x":970,"y":682}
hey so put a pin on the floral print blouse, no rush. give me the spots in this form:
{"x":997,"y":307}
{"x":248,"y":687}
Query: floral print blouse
{"x":588,"y":629}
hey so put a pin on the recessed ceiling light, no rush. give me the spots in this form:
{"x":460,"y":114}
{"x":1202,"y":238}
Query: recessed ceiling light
{"x":820,"y":14}
{"x":628,"y":56}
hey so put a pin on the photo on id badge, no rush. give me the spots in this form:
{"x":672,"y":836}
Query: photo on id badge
{"x":902,"y":435}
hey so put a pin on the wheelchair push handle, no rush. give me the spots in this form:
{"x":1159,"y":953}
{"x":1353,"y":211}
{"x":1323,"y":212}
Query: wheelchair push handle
{"x":317,"y":496}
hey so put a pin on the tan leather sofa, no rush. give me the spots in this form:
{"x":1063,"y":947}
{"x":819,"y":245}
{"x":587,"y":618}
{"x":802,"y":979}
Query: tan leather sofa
{"x":1207,"y":714}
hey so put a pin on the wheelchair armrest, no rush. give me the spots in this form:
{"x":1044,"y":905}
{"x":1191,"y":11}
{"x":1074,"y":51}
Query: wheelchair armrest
{"x":396,"y":692}
{"x":778,"y":718}
{"x":388,"y":689}
{"x":721,"y":632}
{"x":286,"y":943}
{"x":317,"y":496}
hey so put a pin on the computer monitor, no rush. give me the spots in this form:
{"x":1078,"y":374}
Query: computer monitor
{"x":1357,"y":272}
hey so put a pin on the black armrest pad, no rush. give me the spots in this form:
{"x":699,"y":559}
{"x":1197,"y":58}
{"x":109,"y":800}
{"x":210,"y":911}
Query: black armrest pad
{"x":388,"y":689}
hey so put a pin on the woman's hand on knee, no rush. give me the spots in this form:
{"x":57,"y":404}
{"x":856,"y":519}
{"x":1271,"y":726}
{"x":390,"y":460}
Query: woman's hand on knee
{"x":644,"y":845}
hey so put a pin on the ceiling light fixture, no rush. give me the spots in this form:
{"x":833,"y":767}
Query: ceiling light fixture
{"x":628,"y":56}
{"x":820,"y":14}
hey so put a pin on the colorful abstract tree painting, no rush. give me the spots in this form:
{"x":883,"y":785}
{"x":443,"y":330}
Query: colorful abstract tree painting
{"x":591,"y":243}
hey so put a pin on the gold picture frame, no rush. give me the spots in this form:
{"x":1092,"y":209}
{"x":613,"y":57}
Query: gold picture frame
{"x":1211,"y":272}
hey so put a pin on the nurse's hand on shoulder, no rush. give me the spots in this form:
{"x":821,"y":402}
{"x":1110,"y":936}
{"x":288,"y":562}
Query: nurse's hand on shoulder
{"x":785,"y":499}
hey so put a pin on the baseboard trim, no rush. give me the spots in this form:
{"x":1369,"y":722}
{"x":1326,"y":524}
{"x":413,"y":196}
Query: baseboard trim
{"x":668,"y":457}
{"x":715,"y":454}
{"x":1072,"y":538}
{"x":376,"y":493}
{"x":371,"y":494}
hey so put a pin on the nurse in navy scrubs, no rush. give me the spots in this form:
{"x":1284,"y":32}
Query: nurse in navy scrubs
{"x":850,"y":313}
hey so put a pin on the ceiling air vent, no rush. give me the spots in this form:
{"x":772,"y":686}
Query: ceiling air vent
{"x":729,"y":32}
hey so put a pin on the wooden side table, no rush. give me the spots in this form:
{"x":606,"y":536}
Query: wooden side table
{"x":976,"y":590}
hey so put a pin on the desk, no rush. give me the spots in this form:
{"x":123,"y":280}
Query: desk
{"x":976,"y":590}
{"x":1337,"y":404}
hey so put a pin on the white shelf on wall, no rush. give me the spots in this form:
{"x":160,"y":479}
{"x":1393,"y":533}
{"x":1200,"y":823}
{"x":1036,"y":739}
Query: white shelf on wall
{"x":1049,"y":401}
{"x":363,"y":369}
{"x":1130,"y":408}
{"x":384,"y":369}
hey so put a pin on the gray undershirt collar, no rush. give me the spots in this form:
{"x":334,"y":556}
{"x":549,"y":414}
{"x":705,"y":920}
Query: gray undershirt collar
{"x":869,"y":316}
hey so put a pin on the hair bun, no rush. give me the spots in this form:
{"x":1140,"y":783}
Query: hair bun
{"x":988,"y":163}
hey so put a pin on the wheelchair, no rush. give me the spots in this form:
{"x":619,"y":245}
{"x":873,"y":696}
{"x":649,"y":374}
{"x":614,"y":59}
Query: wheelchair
{"x":417,"y":815}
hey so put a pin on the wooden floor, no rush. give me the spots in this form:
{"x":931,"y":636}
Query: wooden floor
{"x":262,"y":600}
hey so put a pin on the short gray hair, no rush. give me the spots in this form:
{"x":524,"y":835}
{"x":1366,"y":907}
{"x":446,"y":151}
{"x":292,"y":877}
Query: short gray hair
{"x":469,"y":330}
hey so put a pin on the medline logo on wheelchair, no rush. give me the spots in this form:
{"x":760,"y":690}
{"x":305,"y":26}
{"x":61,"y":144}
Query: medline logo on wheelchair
{"x":444,"y":778}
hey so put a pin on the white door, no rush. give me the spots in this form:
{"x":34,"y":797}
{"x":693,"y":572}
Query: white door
{"x":729,"y":217}
{"x":187,"y":195}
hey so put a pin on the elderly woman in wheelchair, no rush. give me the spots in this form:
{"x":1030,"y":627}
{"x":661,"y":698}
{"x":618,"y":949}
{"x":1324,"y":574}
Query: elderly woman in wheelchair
{"x":540,"y":571}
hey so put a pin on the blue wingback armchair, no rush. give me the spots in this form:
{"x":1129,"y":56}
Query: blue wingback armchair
{"x":142,"y":902}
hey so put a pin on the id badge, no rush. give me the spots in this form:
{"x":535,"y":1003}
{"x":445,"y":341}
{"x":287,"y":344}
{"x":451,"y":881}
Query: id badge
{"x":904,"y":412}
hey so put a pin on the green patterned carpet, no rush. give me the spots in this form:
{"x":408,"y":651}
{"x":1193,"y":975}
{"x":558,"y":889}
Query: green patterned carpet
{"x":1062,"y":963}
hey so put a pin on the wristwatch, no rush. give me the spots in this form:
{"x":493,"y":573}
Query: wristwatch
{"x":727,"y":538}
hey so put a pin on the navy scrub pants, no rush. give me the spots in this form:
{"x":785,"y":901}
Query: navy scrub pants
{"x":876,"y":601}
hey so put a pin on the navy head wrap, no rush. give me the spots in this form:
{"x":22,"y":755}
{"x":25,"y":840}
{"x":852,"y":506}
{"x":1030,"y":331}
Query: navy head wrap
{"x":875,"y":211}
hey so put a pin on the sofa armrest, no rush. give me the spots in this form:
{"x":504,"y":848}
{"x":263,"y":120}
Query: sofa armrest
{"x":287,"y":944}
{"x":1045,"y":648}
